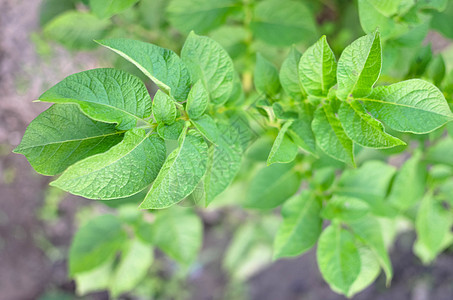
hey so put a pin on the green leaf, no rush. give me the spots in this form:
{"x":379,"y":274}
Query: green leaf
{"x":208,"y":62}
{"x":344,"y":208}
{"x":50,"y":9}
{"x":132,"y":269}
{"x":164,"y":109}
{"x":208,"y":128}
{"x":441,"y":152}
{"x":104,"y":9}
{"x":180,"y":174}
{"x":178,"y":232}
{"x":359,"y":67}
{"x":436,"y":70}
{"x":63,"y":135}
{"x":197,"y":101}
{"x":330,"y":135}
{"x":271,"y":186}
{"x":283,"y":150}
{"x":301,"y":225}
{"x":363,"y":129}
{"x":201,"y":16}
{"x":105,"y":95}
{"x":409,"y":184}
{"x":413,"y":106}
{"x":300,"y":130}
{"x":76,"y":30}
{"x":95,"y":243}
{"x":386,"y":7}
{"x":433,"y":226}
{"x":224,"y":162}
{"x":369,"y":232}
{"x":289,"y":74}
{"x":338,"y":258}
{"x":282,"y":22}
{"x":171,"y":132}
{"x":370,"y":182}
{"x":122,"y":171}
{"x":266,"y":79}
{"x":441,"y":21}
{"x":97,"y":279}
{"x":317,"y":68}
{"x":161,"y":65}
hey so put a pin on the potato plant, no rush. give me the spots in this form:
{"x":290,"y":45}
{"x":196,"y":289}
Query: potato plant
{"x":332,"y":123}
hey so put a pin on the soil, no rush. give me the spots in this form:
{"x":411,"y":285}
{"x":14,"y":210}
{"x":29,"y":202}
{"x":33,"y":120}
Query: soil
{"x":28,"y":269}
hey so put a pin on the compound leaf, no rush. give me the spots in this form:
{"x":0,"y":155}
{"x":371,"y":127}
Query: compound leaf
{"x":122,"y":171}
{"x":178,"y":233}
{"x":105,"y":95}
{"x":338,"y":258}
{"x":301,"y":225}
{"x":208,"y":62}
{"x":164,"y":109}
{"x":360,"y":127}
{"x":161,"y":65}
{"x":317,"y":68}
{"x":266,"y":76}
{"x":104,"y":9}
{"x":63,"y":135}
{"x":197,"y":101}
{"x":272,"y":185}
{"x":95,"y":243}
{"x":282,"y":23}
{"x":413,"y":106}
{"x":283,"y":150}
{"x":200,"y":15}
{"x":330,"y":135}
{"x":359,"y":67}
{"x":180,"y":174}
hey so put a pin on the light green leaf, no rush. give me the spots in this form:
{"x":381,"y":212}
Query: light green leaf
{"x":436,"y":70}
{"x":271,"y":186}
{"x":369,"y":232}
{"x":386,"y":7}
{"x":164,"y":109}
{"x":330,"y":135}
{"x":300,"y":130}
{"x":122,"y":171}
{"x":97,"y":279}
{"x":370,"y":182}
{"x":413,"y":106}
{"x":208,"y":62}
{"x":76,"y":30}
{"x":441,"y":20}
{"x":359,"y":67}
{"x":224,"y":162}
{"x":409,"y":184}
{"x":200,"y":15}
{"x":441,"y":152}
{"x":344,"y":208}
{"x":105,"y":95}
{"x":104,"y":9}
{"x":338,"y":258}
{"x":282,"y":22}
{"x":95,"y":243}
{"x":363,"y":129}
{"x":178,"y":232}
{"x":161,"y":65}
{"x":283,"y":150}
{"x":171,"y":132}
{"x":433,"y":226}
{"x":301,"y":225}
{"x":317,"y":68}
{"x":208,"y":128}
{"x":133,"y":267}
{"x":50,"y":9}
{"x":289,"y":74}
{"x":63,"y":135}
{"x":265,"y":78}
{"x":369,"y":271}
{"x":180,"y":174}
{"x":197,"y":101}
